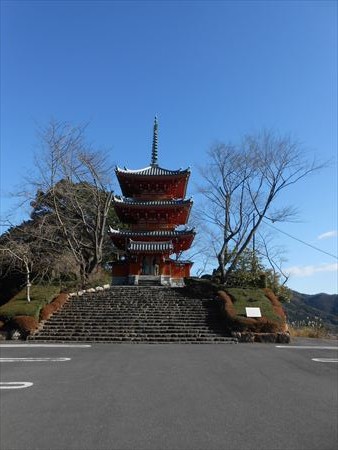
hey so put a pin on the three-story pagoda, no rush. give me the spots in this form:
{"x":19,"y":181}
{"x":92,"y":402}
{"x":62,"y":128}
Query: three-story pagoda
{"x":153,"y":205}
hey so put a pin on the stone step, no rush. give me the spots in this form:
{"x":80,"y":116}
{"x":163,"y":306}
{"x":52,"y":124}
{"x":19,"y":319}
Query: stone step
{"x":133,"y":325}
{"x":139,"y":310}
{"x":131,"y":329}
{"x":131,"y":305}
{"x":161,"y":325}
{"x":119,"y":338}
{"x":141,"y":315}
{"x":144,"y":291}
{"x":140,"y":341}
{"x":127,"y":303}
{"x":145,"y":302}
{"x":125,"y":332}
{"x":139,"y":299}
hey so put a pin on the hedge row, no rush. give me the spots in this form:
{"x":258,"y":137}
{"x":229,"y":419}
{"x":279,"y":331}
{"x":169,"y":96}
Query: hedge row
{"x":51,"y":308}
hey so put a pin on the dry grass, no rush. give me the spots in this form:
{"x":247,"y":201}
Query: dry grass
{"x":308,"y":332}
{"x":310,"y":328}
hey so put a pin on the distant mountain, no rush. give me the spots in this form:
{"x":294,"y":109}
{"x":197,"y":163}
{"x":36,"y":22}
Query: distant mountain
{"x":320,"y":305}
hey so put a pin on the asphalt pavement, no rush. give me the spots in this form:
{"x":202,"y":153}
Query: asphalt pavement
{"x":170,"y":397}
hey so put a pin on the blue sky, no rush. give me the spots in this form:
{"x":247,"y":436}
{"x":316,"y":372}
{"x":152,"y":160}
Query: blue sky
{"x":211,"y":70}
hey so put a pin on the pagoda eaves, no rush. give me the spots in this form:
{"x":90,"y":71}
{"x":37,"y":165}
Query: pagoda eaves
{"x":154,"y":214}
{"x":181,"y":239}
{"x":153,"y":180}
{"x":152,"y":170}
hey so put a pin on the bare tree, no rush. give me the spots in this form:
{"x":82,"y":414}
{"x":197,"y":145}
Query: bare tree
{"x":31,"y":248}
{"x":17,"y":256}
{"x":274,"y":255}
{"x":242,"y":185}
{"x":73,"y":193}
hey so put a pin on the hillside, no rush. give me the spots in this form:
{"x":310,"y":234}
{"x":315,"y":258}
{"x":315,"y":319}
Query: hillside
{"x":321,"y":305}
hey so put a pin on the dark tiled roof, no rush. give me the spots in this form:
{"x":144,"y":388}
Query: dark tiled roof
{"x":130,"y":201}
{"x":141,"y":246}
{"x":153,"y":170}
{"x":156,"y":233}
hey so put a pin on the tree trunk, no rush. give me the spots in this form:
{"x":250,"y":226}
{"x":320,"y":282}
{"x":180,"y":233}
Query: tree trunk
{"x":86,"y":269}
{"x":28,"y":284}
{"x":221,"y":266}
{"x":28,"y":291}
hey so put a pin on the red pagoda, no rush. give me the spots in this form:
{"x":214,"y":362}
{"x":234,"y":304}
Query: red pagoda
{"x":153,"y":205}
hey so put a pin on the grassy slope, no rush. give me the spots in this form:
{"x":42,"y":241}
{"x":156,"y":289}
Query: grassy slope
{"x":18,"y":305}
{"x":252,"y":298}
{"x":42,"y":295}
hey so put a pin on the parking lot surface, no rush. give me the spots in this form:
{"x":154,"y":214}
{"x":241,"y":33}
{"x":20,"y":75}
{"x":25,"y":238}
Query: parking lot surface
{"x":128,"y":397}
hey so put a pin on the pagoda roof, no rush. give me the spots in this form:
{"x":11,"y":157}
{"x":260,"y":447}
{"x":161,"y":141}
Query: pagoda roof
{"x":155,"y":233}
{"x":181,"y":239}
{"x":152,"y":170}
{"x":146,"y":203}
{"x":153,"y":247}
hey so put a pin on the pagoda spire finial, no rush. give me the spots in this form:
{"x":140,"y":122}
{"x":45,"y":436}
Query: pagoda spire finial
{"x":155,"y":144}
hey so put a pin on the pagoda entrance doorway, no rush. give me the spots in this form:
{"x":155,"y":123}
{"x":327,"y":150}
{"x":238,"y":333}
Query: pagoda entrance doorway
{"x":150,"y":266}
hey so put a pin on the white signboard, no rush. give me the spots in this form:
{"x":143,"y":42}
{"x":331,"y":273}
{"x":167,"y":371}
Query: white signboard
{"x":253,"y":312}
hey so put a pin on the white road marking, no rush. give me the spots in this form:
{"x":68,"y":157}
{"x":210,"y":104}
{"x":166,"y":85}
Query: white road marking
{"x":317,"y":347}
{"x":329,"y":360}
{"x":44,"y":345}
{"x":15,"y":384}
{"x":32,"y":359}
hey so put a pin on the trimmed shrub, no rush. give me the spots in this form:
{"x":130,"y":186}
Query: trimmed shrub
{"x":54,"y":306}
{"x":47,"y":311}
{"x":277,"y":307}
{"x":24,"y":324}
{"x":227,"y":304}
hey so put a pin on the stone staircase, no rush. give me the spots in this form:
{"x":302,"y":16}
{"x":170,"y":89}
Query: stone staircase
{"x":135,"y":314}
{"x":149,"y":280}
